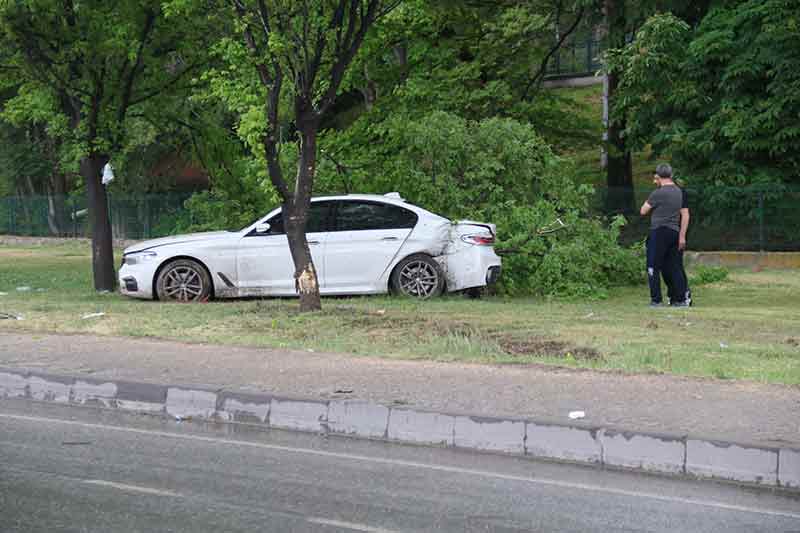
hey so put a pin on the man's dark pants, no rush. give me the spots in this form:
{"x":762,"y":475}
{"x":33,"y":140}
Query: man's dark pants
{"x":664,"y":259}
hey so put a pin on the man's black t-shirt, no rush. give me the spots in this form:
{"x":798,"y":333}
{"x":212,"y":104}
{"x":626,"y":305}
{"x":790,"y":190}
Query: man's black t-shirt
{"x":667,"y":202}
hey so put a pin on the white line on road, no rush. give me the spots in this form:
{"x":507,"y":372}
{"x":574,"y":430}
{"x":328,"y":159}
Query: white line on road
{"x":131,"y":488}
{"x":411,"y":464}
{"x":348,"y":525}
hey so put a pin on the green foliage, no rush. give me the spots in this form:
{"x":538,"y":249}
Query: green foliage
{"x":22,"y":158}
{"x":703,"y":275}
{"x":723,"y":97}
{"x":497,"y":170}
{"x":237,"y":197}
{"x":586,"y":261}
{"x":88,"y":74}
{"x":215,"y":210}
{"x":474,"y":59}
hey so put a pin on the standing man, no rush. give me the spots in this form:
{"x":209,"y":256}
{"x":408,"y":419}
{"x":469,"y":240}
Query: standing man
{"x":666,"y":241}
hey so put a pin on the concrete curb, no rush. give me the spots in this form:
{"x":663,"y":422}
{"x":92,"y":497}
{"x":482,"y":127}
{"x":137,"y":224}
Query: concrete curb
{"x":776,"y":260}
{"x":666,"y":454}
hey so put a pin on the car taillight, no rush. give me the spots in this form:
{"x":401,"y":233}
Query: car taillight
{"x":480,"y":240}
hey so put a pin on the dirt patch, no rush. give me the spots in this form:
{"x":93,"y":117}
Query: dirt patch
{"x":458,"y":329}
{"x":548,"y":348}
{"x":17,"y":254}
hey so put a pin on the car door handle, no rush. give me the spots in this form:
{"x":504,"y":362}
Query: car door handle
{"x":313,"y":243}
{"x":390,"y":239}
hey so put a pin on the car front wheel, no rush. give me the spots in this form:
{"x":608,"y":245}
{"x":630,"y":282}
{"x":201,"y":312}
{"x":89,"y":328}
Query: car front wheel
{"x":183,"y":280}
{"x":418,"y":276}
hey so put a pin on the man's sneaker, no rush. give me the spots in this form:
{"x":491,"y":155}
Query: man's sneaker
{"x":680,"y":304}
{"x":656,"y":304}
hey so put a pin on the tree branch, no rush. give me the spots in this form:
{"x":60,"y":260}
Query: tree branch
{"x":125,"y":102}
{"x":543,"y":67}
{"x":171,"y":83}
{"x":353,"y":39}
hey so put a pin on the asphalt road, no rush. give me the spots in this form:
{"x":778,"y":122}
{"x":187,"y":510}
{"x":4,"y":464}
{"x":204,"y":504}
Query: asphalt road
{"x":86,"y":470}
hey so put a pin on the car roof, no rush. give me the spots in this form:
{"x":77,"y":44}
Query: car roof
{"x":390,"y":198}
{"x":394,"y":199}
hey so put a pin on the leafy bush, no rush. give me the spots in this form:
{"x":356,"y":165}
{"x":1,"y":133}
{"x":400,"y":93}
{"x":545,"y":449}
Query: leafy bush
{"x":215,"y":210}
{"x":497,"y":170}
{"x":704,"y":275}
{"x":586,"y":262}
{"x":234,"y":201}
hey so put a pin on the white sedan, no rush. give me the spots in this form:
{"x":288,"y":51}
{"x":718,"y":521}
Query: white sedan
{"x":360,"y":244}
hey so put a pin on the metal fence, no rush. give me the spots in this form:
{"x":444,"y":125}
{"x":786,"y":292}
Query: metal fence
{"x":756,"y":218}
{"x":723,"y":218}
{"x":132,"y":216}
{"x":579,"y":58}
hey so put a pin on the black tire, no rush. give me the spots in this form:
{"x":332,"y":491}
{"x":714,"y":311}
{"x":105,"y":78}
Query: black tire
{"x":418,"y":276}
{"x":183,"y":280}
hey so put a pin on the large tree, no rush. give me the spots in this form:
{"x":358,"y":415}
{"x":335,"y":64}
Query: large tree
{"x":287,"y":60}
{"x":619,"y":168}
{"x":622,"y":20}
{"x":87,"y":68}
{"x":721,"y":98}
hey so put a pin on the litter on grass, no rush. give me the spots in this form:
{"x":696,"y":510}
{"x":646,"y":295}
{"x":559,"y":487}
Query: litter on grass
{"x":92,"y":315}
{"x":574,"y":415}
{"x":9,"y":316}
{"x":23,"y":289}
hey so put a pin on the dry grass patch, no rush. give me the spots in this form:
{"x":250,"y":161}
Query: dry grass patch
{"x":745,"y":327}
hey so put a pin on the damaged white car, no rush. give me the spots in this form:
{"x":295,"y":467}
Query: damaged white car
{"x":360,"y":244}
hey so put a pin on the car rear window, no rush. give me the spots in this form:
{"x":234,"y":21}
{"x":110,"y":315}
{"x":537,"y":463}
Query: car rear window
{"x":357,"y":216}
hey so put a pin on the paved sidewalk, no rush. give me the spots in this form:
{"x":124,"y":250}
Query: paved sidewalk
{"x":743,"y":412}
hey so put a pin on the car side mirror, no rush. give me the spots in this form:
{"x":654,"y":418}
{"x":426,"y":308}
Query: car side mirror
{"x":262,"y":228}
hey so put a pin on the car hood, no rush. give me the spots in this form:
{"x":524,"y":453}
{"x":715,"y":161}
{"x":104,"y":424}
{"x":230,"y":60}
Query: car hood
{"x":177,"y":239}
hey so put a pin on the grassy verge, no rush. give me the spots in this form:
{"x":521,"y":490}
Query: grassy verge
{"x":747,"y":327}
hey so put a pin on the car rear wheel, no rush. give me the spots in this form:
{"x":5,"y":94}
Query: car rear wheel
{"x":418,"y":276}
{"x":183,"y":280}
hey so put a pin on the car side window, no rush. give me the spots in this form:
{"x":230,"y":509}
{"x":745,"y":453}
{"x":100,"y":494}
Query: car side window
{"x":357,"y":216}
{"x":318,"y":220}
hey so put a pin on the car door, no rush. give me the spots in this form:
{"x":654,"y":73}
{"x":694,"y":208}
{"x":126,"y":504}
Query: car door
{"x":363,"y":241}
{"x":264,"y":262}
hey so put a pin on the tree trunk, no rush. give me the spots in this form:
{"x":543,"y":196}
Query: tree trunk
{"x":401,"y":56}
{"x":57,"y":216}
{"x":619,"y":169}
{"x":369,"y":91}
{"x":25,"y":201}
{"x":102,"y":249}
{"x":295,"y":218}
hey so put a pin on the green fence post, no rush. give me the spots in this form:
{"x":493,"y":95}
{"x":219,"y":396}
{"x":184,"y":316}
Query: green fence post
{"x":74,"y":218}
{"x":13,"y":216}
{"x":149,"y":228}
{"x":761,"y":221}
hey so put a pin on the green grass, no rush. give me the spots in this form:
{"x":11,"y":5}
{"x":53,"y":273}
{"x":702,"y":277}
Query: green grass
{"x":746,"y":327}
